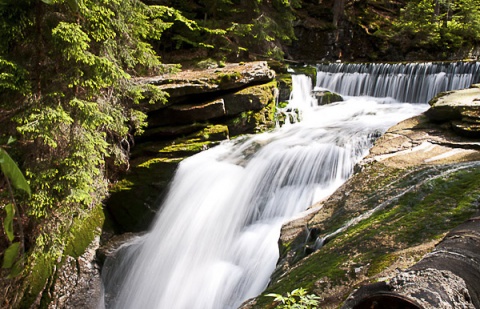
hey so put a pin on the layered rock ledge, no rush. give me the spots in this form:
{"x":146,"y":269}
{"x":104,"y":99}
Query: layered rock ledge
{"x":204,"y":108}
{"x":460,"y":108}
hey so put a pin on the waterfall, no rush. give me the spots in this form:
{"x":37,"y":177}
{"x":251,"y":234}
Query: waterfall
{"x":213,"y":245}
{"x":404,"y":82}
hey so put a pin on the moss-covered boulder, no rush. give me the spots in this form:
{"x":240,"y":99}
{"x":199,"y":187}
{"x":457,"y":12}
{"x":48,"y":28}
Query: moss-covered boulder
{"x":284,"y":87}
{"x":324,"y":97}
{"x":184,"y":85}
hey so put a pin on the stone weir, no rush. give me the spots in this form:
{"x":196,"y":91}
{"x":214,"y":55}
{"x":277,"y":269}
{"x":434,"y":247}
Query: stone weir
{"x":420,"y":181}
{"x":204,"y":107}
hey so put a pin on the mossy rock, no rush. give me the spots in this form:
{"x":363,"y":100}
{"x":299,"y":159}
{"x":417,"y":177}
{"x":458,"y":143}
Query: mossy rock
{"x":284,"y":86}
{"x":135,"y":199}
{"x":440,"y":200}
{"x":259,"y":120}
{"x":327,"y":97}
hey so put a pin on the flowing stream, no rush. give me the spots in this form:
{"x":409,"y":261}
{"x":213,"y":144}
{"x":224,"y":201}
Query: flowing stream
{"x":214,"y":243}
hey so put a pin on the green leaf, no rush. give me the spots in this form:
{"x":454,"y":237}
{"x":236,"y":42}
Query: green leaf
{"x":47,"y":1}
{"x":10,"y":255}
{"x":10,"y":169}
{"x":8,"y":221}
{"x":73,"y":4}
{"x":11,"y":139}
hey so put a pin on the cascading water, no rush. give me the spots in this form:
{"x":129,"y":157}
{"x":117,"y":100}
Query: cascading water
{"x":214,"y":243}
{"x":404,"y":82}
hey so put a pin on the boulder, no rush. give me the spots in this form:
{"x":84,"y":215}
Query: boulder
{"x":447,"y":277}
{"x":324,"y":97}
{"x":461,"y":109}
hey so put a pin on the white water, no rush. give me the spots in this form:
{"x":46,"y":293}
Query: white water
{"x":405,"y":82}
{"x":214,"y":244}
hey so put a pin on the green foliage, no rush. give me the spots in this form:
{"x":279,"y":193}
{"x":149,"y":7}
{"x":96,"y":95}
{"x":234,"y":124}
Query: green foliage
{"x":68,"y":95}
{"x":14,"y":177}
{"x":231,"y":28}
{"x":430,"y":25}
{"x":297,"y":299}
{"x":77,"y":108}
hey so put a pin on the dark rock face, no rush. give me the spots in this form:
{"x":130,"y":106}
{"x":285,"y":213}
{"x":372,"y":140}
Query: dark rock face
{"x":329,"y":30}
{"x":204,"y":107}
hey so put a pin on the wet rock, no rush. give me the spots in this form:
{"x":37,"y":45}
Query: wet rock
{"x":324,"y":97}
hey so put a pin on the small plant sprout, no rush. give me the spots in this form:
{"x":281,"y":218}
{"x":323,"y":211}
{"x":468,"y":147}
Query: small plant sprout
{"x":297,"y":299}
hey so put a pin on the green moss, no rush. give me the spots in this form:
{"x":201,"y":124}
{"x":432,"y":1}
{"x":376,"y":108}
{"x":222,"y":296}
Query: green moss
{"x":226,"y":78}
{"x":327,"y":265}
{"x":436,"y":201}
{"x":83,"y":232}
{"x":255,"y":121}
{"x":39,"y":274}
{"x":380,"y":262}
